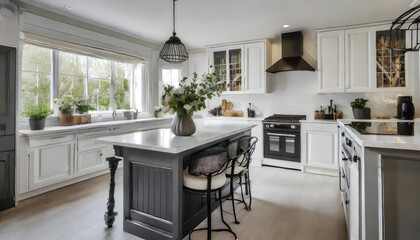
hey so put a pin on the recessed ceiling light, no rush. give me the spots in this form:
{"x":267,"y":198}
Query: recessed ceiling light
{"x":67,"y":7}
{"x":286,"y":26}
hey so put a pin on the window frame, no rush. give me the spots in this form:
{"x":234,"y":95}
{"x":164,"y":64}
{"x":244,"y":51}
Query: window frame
{"x":55,"y":83}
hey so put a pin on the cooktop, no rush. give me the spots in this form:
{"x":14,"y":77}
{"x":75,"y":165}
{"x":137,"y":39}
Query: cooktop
{"x":384,"y":128}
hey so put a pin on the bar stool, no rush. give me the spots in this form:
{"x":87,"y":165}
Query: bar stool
{"x":205,"y":175}
{"x":240,"y":153}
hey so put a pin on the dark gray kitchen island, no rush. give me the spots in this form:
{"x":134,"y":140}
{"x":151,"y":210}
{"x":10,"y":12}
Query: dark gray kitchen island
{"x":155,"y":203}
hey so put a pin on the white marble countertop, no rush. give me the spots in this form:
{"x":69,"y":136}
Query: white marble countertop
{"x":233,"y":118}
{"x":324,"y":121}
{"x":163,"y":140}
{"x":384,"y":141}
{"x":87,"y":126}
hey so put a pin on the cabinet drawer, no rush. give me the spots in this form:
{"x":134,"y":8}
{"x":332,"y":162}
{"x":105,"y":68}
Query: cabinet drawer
{"x":319,"y":127}
{"x":88,"y":143}
{"x":38,"y":142}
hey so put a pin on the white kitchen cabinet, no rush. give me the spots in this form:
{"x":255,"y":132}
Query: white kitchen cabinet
{"x":91,"y":156}
{"x":241,"y":66}
{"x":360,"y":54}
{"x":50,"y":164}
{"x":319,"y":149}
{"x":353,"y":60}
{"x":331,"y":61}
{"x":9,"y":29}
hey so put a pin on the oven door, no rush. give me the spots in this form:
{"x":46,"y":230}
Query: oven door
{"x":283,"y":146}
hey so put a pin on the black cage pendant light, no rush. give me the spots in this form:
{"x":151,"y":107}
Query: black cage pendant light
{"x":405,"y":31}
{"x":174,"y":50}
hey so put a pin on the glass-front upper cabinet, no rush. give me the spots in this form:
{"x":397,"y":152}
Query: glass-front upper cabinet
{"x":390,"y":64}
{"x":227,"y":63}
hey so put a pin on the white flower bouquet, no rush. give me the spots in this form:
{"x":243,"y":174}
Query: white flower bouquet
{"x":189,"y":98}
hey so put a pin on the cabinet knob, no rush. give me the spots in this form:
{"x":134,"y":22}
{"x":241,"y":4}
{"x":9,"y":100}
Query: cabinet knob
{"x":342,"y":134}
{"x":347,"y":202}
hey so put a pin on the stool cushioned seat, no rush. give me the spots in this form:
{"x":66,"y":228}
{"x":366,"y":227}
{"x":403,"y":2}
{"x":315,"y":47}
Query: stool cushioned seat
{"x":200,"y":182}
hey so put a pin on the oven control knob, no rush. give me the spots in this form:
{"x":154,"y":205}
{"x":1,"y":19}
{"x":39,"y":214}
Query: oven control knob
{"x":272,"y":125}
{"x":293,"y":127}
{"x":267,"y":126}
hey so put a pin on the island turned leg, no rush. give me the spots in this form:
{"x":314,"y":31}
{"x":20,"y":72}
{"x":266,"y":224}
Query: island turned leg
{"x":110,"y":214}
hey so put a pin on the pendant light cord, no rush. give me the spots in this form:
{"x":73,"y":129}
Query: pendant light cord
{"x":173,"y":10}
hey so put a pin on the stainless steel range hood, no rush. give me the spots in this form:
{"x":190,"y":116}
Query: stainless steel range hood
{"x":292,"y":52}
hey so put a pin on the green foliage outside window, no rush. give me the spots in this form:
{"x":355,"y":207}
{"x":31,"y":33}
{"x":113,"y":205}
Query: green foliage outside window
{"x":79,"y":77}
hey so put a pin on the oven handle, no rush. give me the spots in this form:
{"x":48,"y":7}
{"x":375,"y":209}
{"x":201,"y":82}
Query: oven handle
{"x":281,"y":135}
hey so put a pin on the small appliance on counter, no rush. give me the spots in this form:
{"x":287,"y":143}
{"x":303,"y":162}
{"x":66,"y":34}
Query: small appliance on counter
{"x":405,"y":108}
{"x":251,"y":111}
{"x":328,"y":113}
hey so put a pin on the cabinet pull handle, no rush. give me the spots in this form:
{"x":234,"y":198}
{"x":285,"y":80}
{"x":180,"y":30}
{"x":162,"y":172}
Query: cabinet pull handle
{"x":339,"y":181}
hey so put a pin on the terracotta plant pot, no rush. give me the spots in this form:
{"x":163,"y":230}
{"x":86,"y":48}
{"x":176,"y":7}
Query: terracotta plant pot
{"x":36,"y":124}
{"x":183,"y":126}
{"x":359,"y":113}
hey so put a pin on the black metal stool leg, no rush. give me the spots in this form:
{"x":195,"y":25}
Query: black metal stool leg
{"x":246,"y":184}
{"x":110,"y":214}
{"x":233,"y":200}
{"x":209,"y":207}
{"x":249,"y":191}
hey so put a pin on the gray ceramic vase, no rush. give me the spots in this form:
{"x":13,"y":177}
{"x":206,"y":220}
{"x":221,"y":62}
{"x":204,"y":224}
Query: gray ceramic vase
{"x":183,"y":126}
{"x":361,"y":113}
{"x":36,"y":124}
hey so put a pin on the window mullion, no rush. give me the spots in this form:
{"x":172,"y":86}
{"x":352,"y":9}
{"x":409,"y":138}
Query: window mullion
{"x":112,"y":87}
{"x":54,"y":85}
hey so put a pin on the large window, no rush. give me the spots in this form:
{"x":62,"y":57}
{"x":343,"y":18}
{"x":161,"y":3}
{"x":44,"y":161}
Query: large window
{"x":36,"y":76}
{"x":106,"y":84}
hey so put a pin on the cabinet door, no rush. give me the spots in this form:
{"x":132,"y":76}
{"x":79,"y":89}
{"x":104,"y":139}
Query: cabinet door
{"x":51,"y":164}
{"x":91,"y":161}
{"x":321,"y":149}
{"x":7,"y":90}
{"x":254,"y":78}
{"x":236,"y":74}
{"x":359,"y":66}
{"x":331,"y":61}
{"x":218,"y":59}
{"x":7,"y":180}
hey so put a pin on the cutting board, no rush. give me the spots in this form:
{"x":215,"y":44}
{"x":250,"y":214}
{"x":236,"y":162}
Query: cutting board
{"x":233,"y":113}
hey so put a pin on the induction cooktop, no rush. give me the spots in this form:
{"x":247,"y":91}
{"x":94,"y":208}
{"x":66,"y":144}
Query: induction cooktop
{"x":384,"y":128}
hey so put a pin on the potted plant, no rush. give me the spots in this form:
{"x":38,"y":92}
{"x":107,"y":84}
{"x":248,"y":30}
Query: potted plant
{"x":66,"y":108}
{"x":37,"y":115}
{"x":360,"y":111}
{"x":187,"y":99}
{"x":82,"y":107}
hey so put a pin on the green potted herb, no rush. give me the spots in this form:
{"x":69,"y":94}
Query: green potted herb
{"x":360,"y":111}
{"x":37,"y":115}
{"x":82,"y":106}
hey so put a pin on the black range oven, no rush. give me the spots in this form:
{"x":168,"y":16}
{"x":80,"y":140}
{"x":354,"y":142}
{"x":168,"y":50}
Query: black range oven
{"x":282,"y":137}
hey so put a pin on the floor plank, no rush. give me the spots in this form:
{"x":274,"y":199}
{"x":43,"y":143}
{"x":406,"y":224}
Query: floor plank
{"x":287,"y":205}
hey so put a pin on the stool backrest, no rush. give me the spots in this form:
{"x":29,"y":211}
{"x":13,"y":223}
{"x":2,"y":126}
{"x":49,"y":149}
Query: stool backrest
{"x":246,"y":147}
{"x":212,"y":161}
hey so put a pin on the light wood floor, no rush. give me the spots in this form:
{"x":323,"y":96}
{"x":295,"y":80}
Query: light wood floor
{"x":286,"y":205}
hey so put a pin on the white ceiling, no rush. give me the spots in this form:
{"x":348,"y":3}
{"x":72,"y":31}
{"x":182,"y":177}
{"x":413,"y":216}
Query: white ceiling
{"x":204,"y":22}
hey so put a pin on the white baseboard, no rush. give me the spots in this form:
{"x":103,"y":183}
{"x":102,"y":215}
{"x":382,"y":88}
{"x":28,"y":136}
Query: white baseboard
{"x":318,"y":170}
{"x":282,"y":163}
